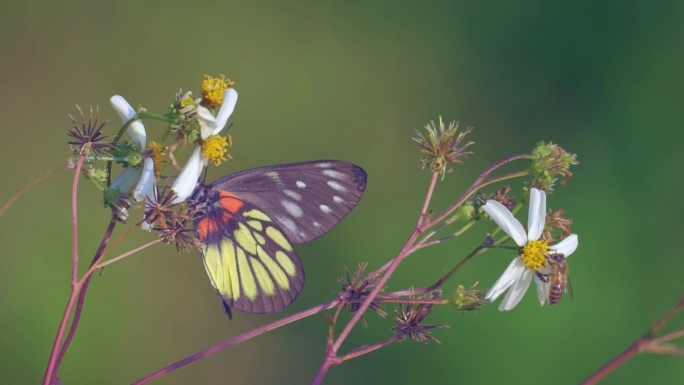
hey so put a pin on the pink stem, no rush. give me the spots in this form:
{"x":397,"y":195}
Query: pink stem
{"x":613,"y":364}
{"x":74,"y":222}
{"x":380,"y":284}
{"x":479,"y":183}
{"x":428,"y":198}
{"x":78,"y":290}
{"x":236,"y":340}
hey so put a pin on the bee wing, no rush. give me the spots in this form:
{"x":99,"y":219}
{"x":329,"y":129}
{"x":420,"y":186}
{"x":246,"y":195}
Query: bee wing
{"x":568,"y":288}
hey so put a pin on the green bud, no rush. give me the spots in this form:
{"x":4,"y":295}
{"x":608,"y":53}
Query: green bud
{"x":468,"y":299}
{"x":135,"y":159}
{"x":465,"y":211}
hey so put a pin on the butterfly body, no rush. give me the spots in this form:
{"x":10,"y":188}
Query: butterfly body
{"x":248,"y":223}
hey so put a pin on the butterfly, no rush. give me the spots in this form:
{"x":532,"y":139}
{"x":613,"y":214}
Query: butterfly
{"x":248,"y":223}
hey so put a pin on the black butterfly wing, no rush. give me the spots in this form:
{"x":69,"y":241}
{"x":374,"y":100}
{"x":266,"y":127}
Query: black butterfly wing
{"x":306,"y":199}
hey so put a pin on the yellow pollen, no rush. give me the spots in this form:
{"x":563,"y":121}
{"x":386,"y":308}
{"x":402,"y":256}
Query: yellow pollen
{"x":213,"y":89}
{"x":158,"y":154}
{"x":215,"y":148}
{"x":533,"y":254}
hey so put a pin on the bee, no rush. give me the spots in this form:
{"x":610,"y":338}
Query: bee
{"x":558,"y":278}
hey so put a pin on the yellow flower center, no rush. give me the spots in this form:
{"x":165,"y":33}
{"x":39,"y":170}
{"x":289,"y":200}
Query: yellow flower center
{"x":213,"y":89}
{"x":533,"y":254}
{"x":158,"y":153}
{"x":215,"y":148}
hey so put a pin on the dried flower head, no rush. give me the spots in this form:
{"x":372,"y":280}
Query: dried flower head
{"x":468,"y":299}
{"x":409,"y":319}
{"x":169,"y":220}
{"x":441,"y":145}
{"x":548,"y":162}
{"x":87,"y":136}
{"x":357,"y":288}
{"x":502,"y":197}
{"x":556,"y":223}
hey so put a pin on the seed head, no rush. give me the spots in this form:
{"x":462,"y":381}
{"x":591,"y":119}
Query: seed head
{"x":548,"y":162}
{"x":441,"y":145}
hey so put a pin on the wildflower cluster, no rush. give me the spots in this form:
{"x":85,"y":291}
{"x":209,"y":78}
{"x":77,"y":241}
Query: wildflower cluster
{"x":145,"y":175}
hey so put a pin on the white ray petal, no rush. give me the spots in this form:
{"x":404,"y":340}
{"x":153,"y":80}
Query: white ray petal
{"x":512,"y":273}
{"x":517,"y":291}
{"x":188,"y":178}
{"x":537,"y":214}
{"x":500,"y":214}
{"x":567,"y":246}
{"x":207,"y":122}
{"x":146,"y":185}
{"x":136,"y":130}
{"x":126,"y":180}
{"x":230,"y":97}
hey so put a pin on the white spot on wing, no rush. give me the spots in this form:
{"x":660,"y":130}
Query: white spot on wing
{"x":334,"y":174}
{"x":325,"y":209}
{"x":292,"y":208}
{"x":338,"y":199}
{"x":316,"y":224}
{"x":292,"y":194}
{"x":301,"y":184}
{"x":287,"y":223}
{"x":336,"y":186}
{"x":324,"y":165}
{"x":273,"y":175}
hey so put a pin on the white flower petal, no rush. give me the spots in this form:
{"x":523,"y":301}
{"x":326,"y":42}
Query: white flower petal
{"x":567,"y":246}
{"x":187,"y":179}
{"x":146,"y":185}
{"x":500,"y":214}
{"x":512,"y":273}
{"x":207,"y":122}
{"x":537,"y":214}
{"x":126,"y":180}
{"x":517,"y":291}
{"x":230,"y":97}
{"x":542,"y":290}
{"x":136,"y":130}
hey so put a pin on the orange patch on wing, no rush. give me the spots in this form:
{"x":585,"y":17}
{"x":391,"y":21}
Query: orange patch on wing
{"x":230,"y":202}
{"x":205,"y":227}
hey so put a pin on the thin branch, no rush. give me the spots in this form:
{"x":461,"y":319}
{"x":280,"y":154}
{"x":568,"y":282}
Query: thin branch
{"x":238,"y":339}
{"x":57,"y":353}
{"x":30,"y":184}
{"x":124,"y":255}
{"x":480,"y":182}
{"x":428,"y":198}
{"x":613,"y":364}
{"x":74,"y":222}
{"x":644,"y":344}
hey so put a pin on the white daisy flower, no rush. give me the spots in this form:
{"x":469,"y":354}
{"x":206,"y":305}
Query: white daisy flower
{"x":533,"y":252}
{"x":210,"y":126}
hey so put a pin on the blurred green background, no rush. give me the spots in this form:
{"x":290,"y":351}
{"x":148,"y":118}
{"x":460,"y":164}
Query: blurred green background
{"x":352,"y":80}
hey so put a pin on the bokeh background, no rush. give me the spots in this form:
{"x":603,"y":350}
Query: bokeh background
{"x":352,"y":80}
